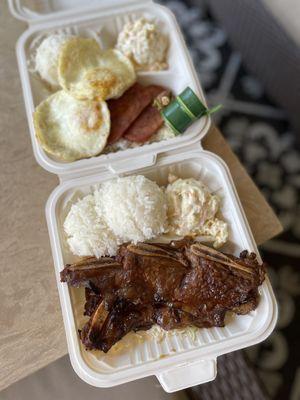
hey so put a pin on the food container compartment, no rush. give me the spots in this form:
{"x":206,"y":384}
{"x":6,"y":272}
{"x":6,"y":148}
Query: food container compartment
{"x":104,"y":25}
{"x":177,"y":359}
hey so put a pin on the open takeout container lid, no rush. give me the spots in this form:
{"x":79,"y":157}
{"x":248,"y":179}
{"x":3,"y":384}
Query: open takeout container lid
{"x":181,"y":73}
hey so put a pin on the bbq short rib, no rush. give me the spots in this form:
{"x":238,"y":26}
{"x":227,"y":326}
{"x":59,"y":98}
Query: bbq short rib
{"x":174,"y":285}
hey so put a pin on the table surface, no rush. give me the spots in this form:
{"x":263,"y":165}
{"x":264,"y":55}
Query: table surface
{"x":32,"y":333}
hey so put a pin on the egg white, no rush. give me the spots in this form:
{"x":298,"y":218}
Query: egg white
{"x":46,"y":57}
{"x":71,"y":129}
{"x":87,"y":72}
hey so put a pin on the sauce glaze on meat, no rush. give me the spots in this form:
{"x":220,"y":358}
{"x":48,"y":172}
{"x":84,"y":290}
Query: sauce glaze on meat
{"x":174,"y":285}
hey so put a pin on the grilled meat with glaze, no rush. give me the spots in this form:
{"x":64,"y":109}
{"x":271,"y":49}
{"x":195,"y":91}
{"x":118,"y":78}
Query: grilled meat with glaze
{"x":173,"y":285}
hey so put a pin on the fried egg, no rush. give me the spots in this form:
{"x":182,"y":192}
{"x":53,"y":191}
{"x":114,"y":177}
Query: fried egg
{"x":71,"y":129}
{"x":87,"y":72}
{"x":46,"y":57}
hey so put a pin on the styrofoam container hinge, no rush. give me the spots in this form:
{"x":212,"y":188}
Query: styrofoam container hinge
{"x":188,"y":148}
{"x":121,"y":167}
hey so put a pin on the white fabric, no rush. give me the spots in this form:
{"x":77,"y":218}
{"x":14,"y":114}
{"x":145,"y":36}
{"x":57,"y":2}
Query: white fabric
{"x":287,"y":13}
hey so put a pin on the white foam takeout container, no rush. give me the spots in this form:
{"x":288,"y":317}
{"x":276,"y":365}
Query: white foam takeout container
{"x":178,"y":360}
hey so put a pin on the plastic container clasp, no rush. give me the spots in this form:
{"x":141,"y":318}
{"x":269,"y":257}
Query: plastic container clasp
{"x":187,"y":375}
